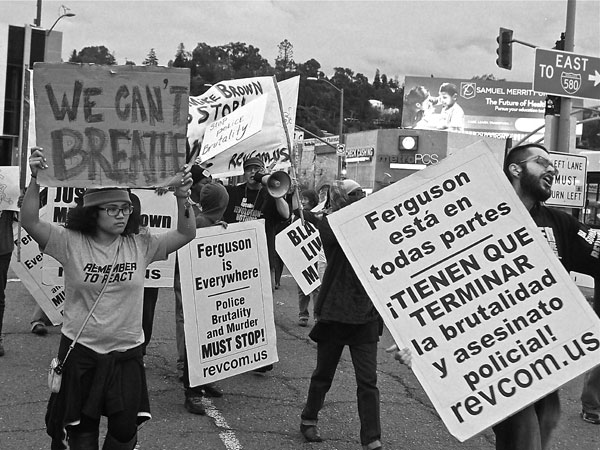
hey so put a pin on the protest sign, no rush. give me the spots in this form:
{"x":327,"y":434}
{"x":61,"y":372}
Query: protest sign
{"x":110,"y":125}
{"x":298,"y":246}
{"x":9,"y":188}
{"x":28,"y":267}
{"x":227,"y":301}
{"x":158,"y":214}
{"x":568,"y":189}
{"x":227,"y":96}
{"x":234,"y":128}
{"x":463,"y":277}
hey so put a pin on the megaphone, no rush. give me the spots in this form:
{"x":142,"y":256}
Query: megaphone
{"x":277,"y":183}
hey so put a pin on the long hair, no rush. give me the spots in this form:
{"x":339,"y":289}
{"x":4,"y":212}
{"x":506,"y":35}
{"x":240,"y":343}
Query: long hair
{"x":85,"y":219}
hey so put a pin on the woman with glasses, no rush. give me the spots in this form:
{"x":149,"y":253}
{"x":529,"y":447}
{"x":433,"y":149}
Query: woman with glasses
{"x":104,"y":263}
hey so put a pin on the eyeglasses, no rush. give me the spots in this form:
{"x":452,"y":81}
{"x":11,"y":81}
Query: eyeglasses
{"x":114,"y":211}
{"x":539,"y":159}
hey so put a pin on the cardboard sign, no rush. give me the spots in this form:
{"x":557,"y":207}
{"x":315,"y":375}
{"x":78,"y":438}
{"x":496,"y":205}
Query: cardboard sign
{"x":227,"y":96}
{"x":9,"y":188}
{"x":299,"y":246}
{"x":110,"y":125}
{"x":467,"y":281}
{"x":29,"y":270}
{"x":158,"y":215}
{"x":568,"y":189}
{"x":227,"y":301}
{"x":234,"y":128}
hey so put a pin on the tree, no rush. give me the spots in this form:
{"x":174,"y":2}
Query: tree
{"x":151,"y":59}
{"x":377,"y":80}
{"x":182,"y":58}
{"x":94,"y":55}
{"x":285,"y":59}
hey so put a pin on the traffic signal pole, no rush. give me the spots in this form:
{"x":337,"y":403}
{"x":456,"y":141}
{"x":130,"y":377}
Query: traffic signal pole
{"x":564,"y":120}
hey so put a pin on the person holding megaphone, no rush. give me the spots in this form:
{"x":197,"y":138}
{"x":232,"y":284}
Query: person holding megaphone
{"x":260,"y":196}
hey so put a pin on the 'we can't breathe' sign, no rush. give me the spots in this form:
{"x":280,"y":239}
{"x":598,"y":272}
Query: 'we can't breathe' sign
{"x":110,"y":125}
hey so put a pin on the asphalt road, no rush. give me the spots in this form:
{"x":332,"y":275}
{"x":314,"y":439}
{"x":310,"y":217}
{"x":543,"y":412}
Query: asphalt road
{"x":257,"y":411}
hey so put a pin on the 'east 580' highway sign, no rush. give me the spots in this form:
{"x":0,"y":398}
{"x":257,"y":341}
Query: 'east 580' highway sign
{"x":566,"y":74}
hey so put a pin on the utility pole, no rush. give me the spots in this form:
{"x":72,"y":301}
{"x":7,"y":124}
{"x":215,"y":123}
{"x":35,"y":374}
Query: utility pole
{"x":564,"y":120}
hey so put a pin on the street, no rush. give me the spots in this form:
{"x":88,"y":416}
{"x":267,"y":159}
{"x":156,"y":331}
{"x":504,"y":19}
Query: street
{"x":257,"y":411}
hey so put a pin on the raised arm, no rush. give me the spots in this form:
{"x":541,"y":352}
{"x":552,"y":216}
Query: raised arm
{"x":186,"y":221}
{"x":30,"y":209}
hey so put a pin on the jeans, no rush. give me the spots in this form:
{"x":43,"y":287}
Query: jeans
{"x":364,"y":360}
{"x":590,"y":396}
{"x":304,"y":300}
{"x":4,"y":263}
{"x":150,"y":298}
{"x":179,"y":329}
{"x":530,"y":428}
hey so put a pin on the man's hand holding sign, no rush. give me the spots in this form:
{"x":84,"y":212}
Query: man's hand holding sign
{"x":470,"y":285}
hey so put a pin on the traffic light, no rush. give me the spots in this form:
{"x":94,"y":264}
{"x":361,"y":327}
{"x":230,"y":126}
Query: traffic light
{"x":504,"y":51}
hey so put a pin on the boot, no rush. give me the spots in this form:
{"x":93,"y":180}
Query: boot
{"x":83,"y":441}
{"x":110,"y":443}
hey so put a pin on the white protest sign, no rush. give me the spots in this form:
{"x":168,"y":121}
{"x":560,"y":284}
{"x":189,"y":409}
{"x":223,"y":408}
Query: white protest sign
{"x":467,"y":281}
{"x":299,"y":246}
{"x":227,"y":96}
{"x":568,"y":189}
{"x":227,"y":301}
{"x":29,"y":270}
{"x":233,"y":128}
{"x":158,"y":214}
{"x":110,"y":125}
{"x":9,"y":188}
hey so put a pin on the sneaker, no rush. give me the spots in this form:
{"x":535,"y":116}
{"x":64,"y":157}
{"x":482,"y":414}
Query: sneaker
{"x":591,"y":417}
{"x":303,"y":321}
{"x":1,"y":348}
{"x":194,"y":405}
{"x":39,"y":329}
{"x":311,"y":433}
{"x":212,"y":390}
{"x":263,"y":369}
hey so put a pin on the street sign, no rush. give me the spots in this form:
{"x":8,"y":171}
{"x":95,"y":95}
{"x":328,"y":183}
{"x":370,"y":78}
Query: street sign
{"x":566,"y":74}
{"x":340,"y":149}
{"x":568,"y":189}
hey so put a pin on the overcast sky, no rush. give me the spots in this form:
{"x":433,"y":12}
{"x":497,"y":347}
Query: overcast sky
{"x":444,"y":38}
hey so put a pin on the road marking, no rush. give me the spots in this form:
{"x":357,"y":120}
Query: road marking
{"x":227,"y":435}
{"x":13,"y":280}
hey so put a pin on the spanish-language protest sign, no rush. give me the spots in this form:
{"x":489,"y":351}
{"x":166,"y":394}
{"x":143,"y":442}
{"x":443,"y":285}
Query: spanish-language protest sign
{"x":26,"y":263}
{"x":158,"y":214}
{"x":568,"y":189}
{"x":110,"y":125}
{"x":463,"y":277}
{"x":270,"y":144}
{"x":299,"y":245}
{"x":9,"y":188}
{"x":227,"y":301}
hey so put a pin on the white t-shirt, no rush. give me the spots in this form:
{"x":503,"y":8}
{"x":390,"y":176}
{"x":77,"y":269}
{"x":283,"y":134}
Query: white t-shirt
{"x":116,"y":323}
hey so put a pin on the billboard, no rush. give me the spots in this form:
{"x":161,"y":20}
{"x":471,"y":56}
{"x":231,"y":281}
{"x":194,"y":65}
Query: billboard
{"x":488,"y":107}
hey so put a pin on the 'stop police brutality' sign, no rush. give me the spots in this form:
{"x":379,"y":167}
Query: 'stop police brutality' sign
{"x":566,"y":74}
{"x":467,"y":281}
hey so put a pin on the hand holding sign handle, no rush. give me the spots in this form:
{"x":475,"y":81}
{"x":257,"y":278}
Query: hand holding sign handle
{"x":37,"y":161}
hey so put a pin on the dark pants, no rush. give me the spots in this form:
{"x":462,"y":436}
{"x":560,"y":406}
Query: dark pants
{"x":364,"y":360}
{"x":530,"y":428}
{"x":150,"y":297}
{"x":4,"y":263}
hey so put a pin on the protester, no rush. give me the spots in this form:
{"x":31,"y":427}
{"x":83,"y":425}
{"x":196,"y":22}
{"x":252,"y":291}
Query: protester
{"x":346,"y":316}
{"x":309,"y":199}
{"x":249,"y":201}
{"x":531,"y":173}
{"x":104,"y":373}
{"x":6,"y":248}
{"x":209,"y":200}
